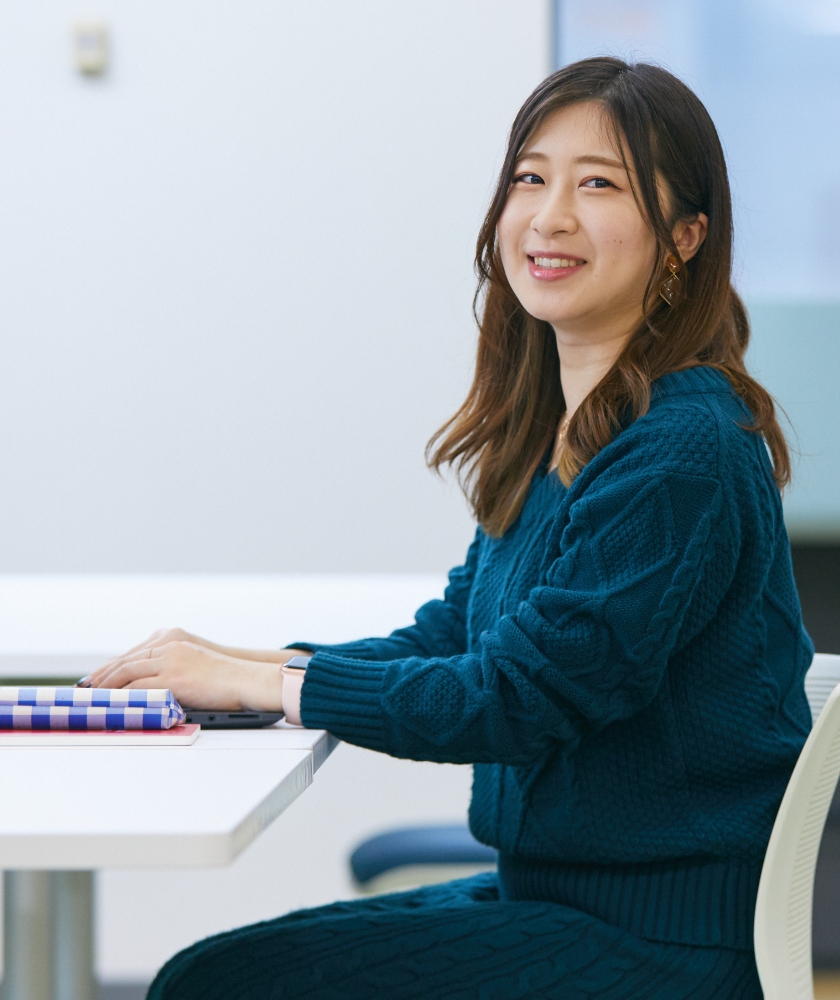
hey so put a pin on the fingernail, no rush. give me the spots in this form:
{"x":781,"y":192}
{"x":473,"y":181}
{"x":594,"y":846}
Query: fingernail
{"x":83,"y":682}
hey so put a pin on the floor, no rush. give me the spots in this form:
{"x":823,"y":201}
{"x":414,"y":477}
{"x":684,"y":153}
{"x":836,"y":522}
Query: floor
{"x":826,"y":986}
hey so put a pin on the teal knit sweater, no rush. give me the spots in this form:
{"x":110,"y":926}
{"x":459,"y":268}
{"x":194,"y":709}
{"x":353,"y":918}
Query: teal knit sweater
{"x":624,"y":668}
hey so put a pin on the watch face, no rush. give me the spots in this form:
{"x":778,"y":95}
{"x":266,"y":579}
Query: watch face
{"x":298,"y":662}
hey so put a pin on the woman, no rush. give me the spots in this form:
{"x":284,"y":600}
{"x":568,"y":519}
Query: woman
{"x":622,"y":654}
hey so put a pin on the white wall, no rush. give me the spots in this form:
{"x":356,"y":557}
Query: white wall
{"x":236,"y":277}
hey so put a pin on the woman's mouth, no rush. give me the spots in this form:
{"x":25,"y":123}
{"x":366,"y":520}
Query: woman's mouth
{"x":545,"y":268}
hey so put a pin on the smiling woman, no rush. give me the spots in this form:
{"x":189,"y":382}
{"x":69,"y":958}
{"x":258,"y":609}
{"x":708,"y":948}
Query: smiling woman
{"x":618,"y":173}
{"x":621,"y":656}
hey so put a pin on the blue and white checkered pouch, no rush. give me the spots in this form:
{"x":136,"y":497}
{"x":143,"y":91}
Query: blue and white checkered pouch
{"x":88,"y":708}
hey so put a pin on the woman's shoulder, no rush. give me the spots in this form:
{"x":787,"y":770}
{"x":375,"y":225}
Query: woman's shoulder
{"x":696,"y":425}
{"x":696,"y":405}
{"x":683,"y":421}
{"x":699,"y":380}
{"x":698,"y":388}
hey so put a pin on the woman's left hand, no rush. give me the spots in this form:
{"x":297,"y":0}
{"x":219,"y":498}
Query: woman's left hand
{"x":197,"y":676}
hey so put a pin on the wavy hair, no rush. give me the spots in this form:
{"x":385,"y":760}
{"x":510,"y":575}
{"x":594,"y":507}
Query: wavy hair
{"x":509,"y":419}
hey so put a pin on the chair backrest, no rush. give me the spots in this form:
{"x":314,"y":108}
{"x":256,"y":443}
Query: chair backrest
{"x":822,"y":678}
{"x":786,"y":889}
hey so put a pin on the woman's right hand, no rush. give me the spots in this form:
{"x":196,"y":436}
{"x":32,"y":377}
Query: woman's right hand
{"x":162,"y":637}
{"x":202,"y":672}
{"x":166,"y":636}
{"x":199,"y":677}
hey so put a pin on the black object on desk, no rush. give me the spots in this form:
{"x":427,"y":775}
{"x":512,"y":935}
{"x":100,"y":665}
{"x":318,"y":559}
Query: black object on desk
{"x":232,"y":720}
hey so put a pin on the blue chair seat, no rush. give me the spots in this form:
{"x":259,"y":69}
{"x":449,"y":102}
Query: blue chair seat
{"x":418,"y":845}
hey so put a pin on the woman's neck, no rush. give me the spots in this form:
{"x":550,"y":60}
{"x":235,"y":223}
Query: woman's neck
{"x":583,"y":363}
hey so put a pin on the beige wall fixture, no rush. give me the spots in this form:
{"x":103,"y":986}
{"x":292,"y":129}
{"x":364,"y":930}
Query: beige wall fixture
{"x":90,"y":46}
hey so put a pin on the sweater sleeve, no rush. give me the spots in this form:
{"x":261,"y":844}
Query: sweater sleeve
{"x":439,"y":629}
{"x":642,"y":564}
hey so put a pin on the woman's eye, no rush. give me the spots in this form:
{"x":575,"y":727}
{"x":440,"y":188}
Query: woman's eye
{"x":598,"y":182}
{"x":528,"y":179}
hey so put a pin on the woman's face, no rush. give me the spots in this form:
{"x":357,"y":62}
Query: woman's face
{"x":574,"y":245}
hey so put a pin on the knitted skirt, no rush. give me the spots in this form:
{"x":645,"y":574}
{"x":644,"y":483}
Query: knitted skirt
{"x":456,"y":941}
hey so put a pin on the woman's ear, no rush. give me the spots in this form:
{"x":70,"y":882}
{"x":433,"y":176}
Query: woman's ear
{"x":689,"y":236}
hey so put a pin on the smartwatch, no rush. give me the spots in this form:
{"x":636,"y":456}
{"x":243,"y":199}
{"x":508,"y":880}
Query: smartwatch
{"x":294,"y":673}
{"x":298,"y":662}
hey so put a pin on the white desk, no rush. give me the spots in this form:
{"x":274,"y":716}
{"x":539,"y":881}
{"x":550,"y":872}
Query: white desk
{"x":195,"y":806}
{"x":81,"y":808}
{"x":85,"y":808}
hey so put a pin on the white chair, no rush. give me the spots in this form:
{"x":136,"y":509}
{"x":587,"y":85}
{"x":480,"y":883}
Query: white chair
{"x":785,"y":892}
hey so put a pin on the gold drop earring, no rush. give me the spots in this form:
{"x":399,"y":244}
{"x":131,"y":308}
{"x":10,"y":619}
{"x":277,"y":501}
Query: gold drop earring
{"x":670,"y":287}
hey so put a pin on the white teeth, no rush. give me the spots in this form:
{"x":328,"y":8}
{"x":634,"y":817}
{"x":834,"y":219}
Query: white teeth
{"x":556,"y":262}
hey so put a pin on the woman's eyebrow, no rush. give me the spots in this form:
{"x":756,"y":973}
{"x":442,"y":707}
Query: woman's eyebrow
{"x":531,"y":155}
{"x":603,"y":161}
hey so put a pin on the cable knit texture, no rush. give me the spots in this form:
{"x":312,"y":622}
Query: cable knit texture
{"x":457,"y":941}
{"x":624,"y":668}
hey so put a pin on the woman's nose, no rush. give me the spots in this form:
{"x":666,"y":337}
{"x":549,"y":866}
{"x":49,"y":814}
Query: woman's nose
{"x":555,"y":215}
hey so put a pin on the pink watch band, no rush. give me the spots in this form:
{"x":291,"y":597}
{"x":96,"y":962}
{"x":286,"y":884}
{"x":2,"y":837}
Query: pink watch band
{"x":293,"y":678}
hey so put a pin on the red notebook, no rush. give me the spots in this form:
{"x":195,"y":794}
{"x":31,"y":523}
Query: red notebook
{"x":177,"y":736}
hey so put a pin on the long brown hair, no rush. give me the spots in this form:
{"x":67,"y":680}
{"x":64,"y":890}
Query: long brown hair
{"x":509,"y":419}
